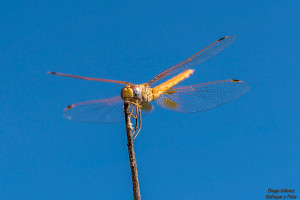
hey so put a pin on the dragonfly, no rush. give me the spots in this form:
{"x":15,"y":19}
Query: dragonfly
{"x":163,"y":89}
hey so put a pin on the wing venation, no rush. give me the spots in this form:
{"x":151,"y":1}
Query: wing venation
{"x":105,"y":111}
{"x":196,"y":59}
{"x":200,"y":97}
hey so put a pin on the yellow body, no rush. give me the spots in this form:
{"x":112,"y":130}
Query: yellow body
{"x":162,"y":88}
{"x":148,"y":94}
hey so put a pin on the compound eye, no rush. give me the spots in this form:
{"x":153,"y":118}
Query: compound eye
{"x":137,"y":93}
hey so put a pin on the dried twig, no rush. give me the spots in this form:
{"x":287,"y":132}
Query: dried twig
{"x":132,"y":161}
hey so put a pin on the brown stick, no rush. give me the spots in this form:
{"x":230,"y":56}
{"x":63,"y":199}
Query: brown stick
{"x":132,"y":161}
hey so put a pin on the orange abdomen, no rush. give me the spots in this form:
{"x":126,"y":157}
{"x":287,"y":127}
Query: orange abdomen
{"x":160,"y":89}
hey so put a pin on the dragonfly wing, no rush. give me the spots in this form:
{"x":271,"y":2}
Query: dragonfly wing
{"x":97,"y":111}
{"x":200,"y":97}
{"x":104,"y":111}
{"x":196,"y":59}
{"x":147,"y":108}
{"x":90,"y":79}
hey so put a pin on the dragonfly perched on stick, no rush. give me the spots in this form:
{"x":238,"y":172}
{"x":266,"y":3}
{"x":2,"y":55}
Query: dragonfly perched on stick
{"x":191,"y":98}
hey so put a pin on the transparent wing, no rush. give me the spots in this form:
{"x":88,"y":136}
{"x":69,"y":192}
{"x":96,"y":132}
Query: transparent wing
{"x":97,"y":111}
{"x":104,"y":111}
{"x":200,"y":97}
{"x":90,"y":79}
{"x":196,"y":59}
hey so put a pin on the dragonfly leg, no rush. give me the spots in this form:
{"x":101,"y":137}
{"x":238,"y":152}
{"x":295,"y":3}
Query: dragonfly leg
{"x":135,"y":112}
{"x":131,"y":112}
{"x":136,"y":120}
{"x":136,"y":104}
{"x":139,"y":122}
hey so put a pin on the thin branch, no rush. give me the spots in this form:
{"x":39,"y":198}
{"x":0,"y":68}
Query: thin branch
{"x":132,"y":161}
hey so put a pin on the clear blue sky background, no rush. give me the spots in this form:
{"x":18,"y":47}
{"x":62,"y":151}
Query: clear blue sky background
{"x":236,"y":151}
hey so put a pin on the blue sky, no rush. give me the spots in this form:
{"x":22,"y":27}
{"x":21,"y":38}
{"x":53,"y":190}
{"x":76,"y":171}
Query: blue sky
{"x":236,"y":151}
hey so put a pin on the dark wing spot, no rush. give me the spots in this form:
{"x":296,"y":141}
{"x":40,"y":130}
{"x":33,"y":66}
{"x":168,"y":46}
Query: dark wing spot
{"x":222,"y":39}
{"x":52,"y":73}
{"x":235,"y":80}
{"x":69,"y":107}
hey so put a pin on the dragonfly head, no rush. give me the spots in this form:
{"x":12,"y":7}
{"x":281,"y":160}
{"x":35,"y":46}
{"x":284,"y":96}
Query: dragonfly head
{"x":131,"y":93}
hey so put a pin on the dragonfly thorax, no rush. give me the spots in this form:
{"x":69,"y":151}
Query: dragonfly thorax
{"x":131,"y":93}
